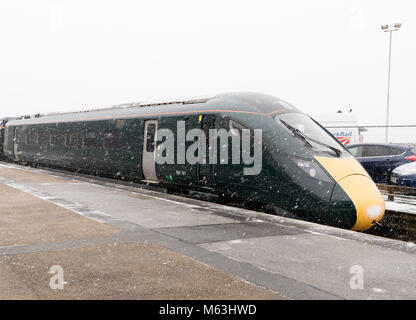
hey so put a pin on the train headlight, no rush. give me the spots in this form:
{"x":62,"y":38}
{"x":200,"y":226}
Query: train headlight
{"x":374,"y":211}
{"x":311,"y":168}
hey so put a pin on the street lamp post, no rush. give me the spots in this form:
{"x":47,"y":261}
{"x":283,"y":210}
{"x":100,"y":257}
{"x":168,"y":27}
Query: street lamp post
{"x":385,"y":28}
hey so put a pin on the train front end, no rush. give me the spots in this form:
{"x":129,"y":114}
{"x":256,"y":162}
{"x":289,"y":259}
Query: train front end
{"x":354,"y":193}
{"x":330,"y":185}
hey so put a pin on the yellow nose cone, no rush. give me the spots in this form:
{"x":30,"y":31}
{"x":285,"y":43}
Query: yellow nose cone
{"x":368,"y":202}
{"x":359,"y":187}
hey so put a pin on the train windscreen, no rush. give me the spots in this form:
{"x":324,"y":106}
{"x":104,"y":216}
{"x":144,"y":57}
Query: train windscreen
{"x":314,"y":135}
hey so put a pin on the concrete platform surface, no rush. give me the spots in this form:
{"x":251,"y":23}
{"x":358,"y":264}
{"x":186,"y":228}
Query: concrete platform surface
{"x":123,"y":242}
{"x":119,"y":271}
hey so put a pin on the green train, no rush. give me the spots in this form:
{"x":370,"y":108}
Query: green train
{"x":301,"y":169}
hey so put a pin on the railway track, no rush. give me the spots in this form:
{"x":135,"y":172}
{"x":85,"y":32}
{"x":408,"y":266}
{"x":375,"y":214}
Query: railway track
{"x":397,"y":223}
{"x":393,"y":191}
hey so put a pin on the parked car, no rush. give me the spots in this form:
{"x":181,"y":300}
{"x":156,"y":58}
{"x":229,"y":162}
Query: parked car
{"x":381,"y":159}
{"x":404,"y":175}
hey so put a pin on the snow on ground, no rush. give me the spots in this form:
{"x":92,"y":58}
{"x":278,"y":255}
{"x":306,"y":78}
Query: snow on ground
{"x":402,"y":204}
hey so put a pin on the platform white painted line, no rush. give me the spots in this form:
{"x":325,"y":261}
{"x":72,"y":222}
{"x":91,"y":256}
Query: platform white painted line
{"x":7,"y":166}
{"x":328,"y":235}
{"x":31,"y":170}
{"x":187,"y":205}
{"x":73,"y":207}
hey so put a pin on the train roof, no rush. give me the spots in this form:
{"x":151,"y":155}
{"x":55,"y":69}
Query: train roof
{"x":242,"y":102}
{"x":7,"y":119}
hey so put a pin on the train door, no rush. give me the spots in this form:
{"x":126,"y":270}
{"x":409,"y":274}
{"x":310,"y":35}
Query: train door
{"x":2,"y":131}
{"x":149,"y":150}
{"x":16,"y":143}
{"x":205,"y":171}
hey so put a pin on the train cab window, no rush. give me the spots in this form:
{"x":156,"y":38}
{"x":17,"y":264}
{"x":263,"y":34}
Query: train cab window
{"x":90,"y":138}
{"x":31,"y":137}
{"x":150,"y":137}
{"x":42,"y":138}
{"x":112,"y":139}
{"x":71,"y":138}
{"x":57,"y":138}
{"x":303,"y":127}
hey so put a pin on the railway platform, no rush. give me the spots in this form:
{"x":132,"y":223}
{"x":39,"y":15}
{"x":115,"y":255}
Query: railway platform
{"x":64,"y":236}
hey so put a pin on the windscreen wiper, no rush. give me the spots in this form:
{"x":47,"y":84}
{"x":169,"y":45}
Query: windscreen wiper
{"x":306,"y":138}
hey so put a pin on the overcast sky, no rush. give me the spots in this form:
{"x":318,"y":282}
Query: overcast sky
{"x":320,"y":55}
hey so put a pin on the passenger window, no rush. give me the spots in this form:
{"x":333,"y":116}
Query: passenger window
{"x":71,"y":138}
{"x":369,"y":151}
{"x":42,"y":138}
{"x":90,"y":139}
{"x":381,"y":151}
{"x":357,"y":151}
{"x":31,"y":137}
{"x":57,"y":138}
{"x":112,"y":139}
{"x":150,"y":137}
{"x":354,"y":151}
{"x":395,"y":151}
